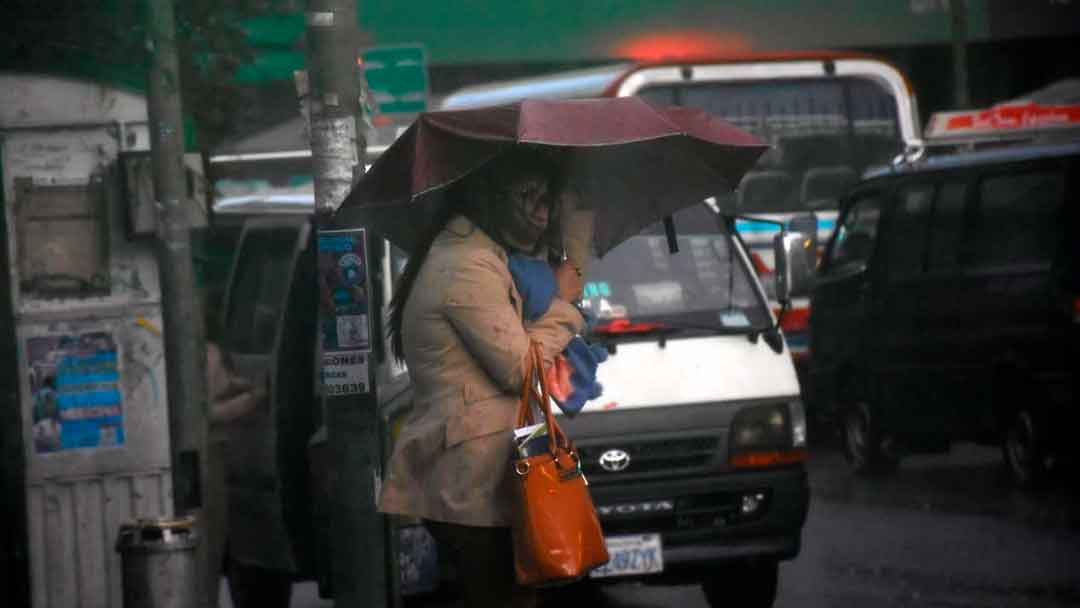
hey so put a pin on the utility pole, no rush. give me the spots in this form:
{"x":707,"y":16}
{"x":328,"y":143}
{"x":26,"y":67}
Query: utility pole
{"x":353,"y":423}
{"x":185,"y":348}
{"x":961,"y":91}
{"x":337,"y":145}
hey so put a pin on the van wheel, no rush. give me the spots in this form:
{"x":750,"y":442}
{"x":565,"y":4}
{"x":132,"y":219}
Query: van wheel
{"x":745,"y":585}
{"x":864,"y":447}
{"x":1024,"y":449}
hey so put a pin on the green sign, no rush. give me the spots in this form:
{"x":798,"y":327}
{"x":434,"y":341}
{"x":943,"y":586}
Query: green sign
{"x":397,"y":78}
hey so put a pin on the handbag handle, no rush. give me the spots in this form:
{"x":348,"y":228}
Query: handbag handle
{"x":528,"y":392}
{"x":534,"y":375}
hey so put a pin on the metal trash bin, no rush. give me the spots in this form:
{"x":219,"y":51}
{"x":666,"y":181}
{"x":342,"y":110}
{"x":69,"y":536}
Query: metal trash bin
{"x":158,"y":563}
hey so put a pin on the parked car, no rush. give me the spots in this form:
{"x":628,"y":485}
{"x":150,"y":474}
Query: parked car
{"x":947,"y":307}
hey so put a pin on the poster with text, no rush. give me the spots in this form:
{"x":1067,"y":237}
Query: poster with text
{"x":344,"y":291}
{"x":75,"y":392}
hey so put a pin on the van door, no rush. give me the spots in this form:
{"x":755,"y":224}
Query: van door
{"x":1016,"y":234}
{"x":842,"y":297}
{"x":903,"y":376}
{"x":255,"y":310}
{"x":945,"y":313}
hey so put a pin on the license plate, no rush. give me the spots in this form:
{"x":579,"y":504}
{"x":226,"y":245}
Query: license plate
{"x":632,"y":554}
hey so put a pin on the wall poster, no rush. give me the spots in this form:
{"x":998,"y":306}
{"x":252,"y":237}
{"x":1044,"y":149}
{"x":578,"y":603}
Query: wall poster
{"x":75,"y":391}
{"x":344,"y":323}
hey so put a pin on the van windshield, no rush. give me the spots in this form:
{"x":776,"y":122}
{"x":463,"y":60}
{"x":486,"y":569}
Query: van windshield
{"x":705,"y":285}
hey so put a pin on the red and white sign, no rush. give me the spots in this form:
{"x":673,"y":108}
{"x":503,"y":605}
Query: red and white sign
{"x":1002,"y":119}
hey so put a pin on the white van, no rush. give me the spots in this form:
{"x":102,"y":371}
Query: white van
{"x":695,"y":451}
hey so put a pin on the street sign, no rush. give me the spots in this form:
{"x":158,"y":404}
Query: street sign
{"x":397,"y":78}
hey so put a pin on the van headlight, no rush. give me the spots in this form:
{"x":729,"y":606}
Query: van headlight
{"x":767,"y":436}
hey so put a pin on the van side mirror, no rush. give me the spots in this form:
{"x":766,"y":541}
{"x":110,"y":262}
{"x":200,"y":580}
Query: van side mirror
{"x":794,"y":253}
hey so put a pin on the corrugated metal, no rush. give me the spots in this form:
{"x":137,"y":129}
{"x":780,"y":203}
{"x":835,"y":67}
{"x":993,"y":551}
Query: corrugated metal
{"x":73,"y":529}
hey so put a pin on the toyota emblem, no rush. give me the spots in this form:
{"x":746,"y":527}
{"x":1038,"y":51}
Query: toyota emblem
{"x":614,"y":461}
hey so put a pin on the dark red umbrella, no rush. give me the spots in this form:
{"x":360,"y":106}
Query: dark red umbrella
{"x":632,"y":162}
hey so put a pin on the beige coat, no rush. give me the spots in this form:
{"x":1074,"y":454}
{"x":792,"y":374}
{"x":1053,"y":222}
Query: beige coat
{"x":466,"y":348}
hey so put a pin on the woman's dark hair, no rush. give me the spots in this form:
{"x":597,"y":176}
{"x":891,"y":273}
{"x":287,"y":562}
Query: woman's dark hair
{"x":473,"y":197}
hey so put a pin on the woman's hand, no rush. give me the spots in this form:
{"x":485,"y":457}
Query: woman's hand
{"x":570,"y":282}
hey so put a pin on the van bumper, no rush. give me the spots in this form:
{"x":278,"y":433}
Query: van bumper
{"x":706,"y":528}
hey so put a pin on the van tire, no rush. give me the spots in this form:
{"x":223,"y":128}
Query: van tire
{"x":863,"y":443}
{"x":1024,"y":449}
{"x":744,"y":585}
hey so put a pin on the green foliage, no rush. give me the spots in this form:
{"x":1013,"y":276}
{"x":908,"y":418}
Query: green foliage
{"x":103,"y":40}
{"x":106,"y":41}
{"x":211,"y":49}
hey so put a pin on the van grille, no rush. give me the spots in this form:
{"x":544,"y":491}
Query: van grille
{"x":693,"y":512}
{"x":655,"y":456}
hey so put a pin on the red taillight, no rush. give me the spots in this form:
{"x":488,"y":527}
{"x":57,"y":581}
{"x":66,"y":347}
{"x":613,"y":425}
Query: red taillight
{"x":1076,"y":310}
{"x":796,"y":320}
{"x":624,"y":326}
{"x":759,"y":459}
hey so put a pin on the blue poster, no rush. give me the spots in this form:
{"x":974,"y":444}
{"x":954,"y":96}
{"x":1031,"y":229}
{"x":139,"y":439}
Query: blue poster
{"x":343,"y":291}
{"x":75,"y":392}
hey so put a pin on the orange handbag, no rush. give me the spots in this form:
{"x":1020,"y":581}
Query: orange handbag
{"x":556,"y":533}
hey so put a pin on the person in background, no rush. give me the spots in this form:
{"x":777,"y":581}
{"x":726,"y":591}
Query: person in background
{"x":456,"y":320}
{"x":232,"y":397}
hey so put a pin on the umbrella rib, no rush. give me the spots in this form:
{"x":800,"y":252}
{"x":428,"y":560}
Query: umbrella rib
{"x":459,"y":132}
{"x":444,"y":184}
{"x":542,"y":142}
{"x":672,"y":124}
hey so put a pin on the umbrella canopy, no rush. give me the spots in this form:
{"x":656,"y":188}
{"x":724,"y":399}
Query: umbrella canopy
{"x":631,"y":162}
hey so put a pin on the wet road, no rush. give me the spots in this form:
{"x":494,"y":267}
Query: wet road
{"x":945,"y":530}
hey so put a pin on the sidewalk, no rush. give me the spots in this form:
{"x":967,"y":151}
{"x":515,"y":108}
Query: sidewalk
{"x":304,"y":595}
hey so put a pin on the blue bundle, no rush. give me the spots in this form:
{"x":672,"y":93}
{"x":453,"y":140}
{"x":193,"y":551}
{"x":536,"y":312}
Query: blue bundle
{"x":535,"y":281}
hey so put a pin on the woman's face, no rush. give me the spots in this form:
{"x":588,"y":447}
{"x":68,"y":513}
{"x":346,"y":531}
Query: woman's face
{"x":526,"y":211}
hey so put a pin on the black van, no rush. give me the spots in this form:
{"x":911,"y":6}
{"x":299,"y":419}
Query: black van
{"x":947,"y":307}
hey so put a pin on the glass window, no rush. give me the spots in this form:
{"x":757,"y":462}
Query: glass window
{"x":1018,"y":217}
{"x":855,"y":237}
{"x":263,"y":186}
{"x":706,"y":282}
{"x":259,"y":289}
{"x":823,"y":133}
{"x":905,"y":242}
{"x":947,"y":227}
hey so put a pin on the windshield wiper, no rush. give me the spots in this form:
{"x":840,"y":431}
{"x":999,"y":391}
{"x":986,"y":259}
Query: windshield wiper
{"x":626,"y":328}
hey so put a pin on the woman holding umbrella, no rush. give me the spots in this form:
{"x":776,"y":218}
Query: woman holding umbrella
{"x":456,"y":319}
{"x":481,"y":180}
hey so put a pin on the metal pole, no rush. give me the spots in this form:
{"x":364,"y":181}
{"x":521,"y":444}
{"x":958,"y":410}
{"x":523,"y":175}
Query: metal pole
{"x":353,"y":424}
{"x":185,"y":348}
{"x":961,"y":92}
{"x":14,"y":540}
{"x":332,"y":35}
